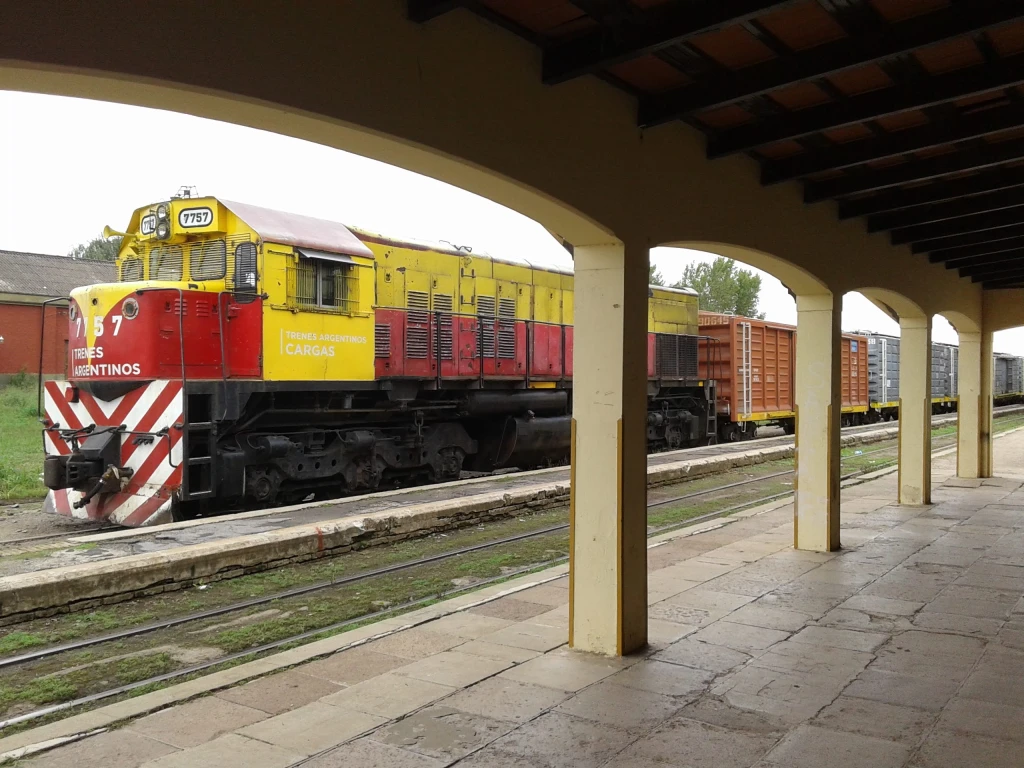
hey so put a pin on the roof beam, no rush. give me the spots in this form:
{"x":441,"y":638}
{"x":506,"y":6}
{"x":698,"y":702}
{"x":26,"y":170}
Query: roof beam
{"x":951,"y":209}
{"x":979,"y":79}
{"x":959,"y":128}
{"x":991,"y":285}
{"x":981,"y":252}
{"x":658,"y":28}
{"x":989,"y":181}
{"x":885,"y":42}
{"x":993,"y":268}
{"x":984,"y":155}
{"x":976,"y":223}
{"x":421,"y":11}
{"x":992,"y":236}
{"x":1016,"y":275}
{"x":1016,"y":254}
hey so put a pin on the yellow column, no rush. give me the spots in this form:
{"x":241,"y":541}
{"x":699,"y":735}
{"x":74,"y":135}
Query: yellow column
{"x":985,"y":411}
{"x":818,"y":407}
{"x":608,"y":515}
{"x":915,"y":437}
{"x":968,"y":419}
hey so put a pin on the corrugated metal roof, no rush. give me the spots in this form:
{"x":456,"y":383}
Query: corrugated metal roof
{"x":39,"y":274}
{"x":297,"y":230}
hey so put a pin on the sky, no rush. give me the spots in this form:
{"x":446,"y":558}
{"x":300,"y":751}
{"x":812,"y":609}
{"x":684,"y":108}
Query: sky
{"x":70,"y":166}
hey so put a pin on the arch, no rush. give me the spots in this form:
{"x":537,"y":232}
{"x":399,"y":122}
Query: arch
{"x":894,"y":304}
{"x":797,"y":280}
{"x":961,"y":322}
{"x":564,"y":222}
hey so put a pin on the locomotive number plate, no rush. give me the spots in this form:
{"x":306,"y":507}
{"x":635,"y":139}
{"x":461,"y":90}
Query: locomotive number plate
{"x":189,"y":218}
{"x":148,"y":224}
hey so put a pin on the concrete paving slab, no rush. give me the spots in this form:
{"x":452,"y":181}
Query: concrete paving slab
{"x":848,"y":639}
{"x":442,"y":732}
{"x":662,"y":677}
{"x":417,"y":643}
{"x":562,"y":672}
{"x":811,"y":746}
{"x":279,"y":693}
{"x":312,"y":728}
{"x":505,"y":699}
{"x":902,"y":690}
{"x":693,"y":653}
{"x":533,"y":637}
{"x":389,"y":695}
{"x":740,"y":637}
{"x":511,"y":609}
{"x":353,"y":666}
{"x":497,"y":651}
{"x":121,"y":748}
{"x":196,"y":722}
{"x":364,"y":752}
{"x":956,"y":749}
{"x":685,"y":742}
{"x":983,"y":718}
{"x":229,"y":751}
{"x":557,"y":739}
{"x":621,"y":706}
{"x":453,"y":668}
{"x":874,"y":718}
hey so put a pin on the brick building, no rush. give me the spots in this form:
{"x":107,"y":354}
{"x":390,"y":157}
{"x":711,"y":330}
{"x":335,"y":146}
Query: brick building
{"x":27,"y":280}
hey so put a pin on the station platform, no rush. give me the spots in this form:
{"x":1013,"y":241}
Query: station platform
{"x":904,"y":649}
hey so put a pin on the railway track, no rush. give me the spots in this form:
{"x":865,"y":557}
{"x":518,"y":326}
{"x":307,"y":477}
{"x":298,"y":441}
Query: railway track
{"x":153,"y":627}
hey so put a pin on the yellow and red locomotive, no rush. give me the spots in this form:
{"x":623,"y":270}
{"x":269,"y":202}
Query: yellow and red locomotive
{"x":249,"y":357}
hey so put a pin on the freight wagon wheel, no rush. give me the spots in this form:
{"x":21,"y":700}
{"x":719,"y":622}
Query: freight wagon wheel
{"x":730,"y":433}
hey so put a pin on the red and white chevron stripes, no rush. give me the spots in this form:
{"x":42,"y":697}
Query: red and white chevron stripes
{"x":156,"y":462}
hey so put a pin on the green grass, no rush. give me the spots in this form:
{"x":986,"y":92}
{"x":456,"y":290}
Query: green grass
{"x":16,"y":641}
{"x":21,"y":447}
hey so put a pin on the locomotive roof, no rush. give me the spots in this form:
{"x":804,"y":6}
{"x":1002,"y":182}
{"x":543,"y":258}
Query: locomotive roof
{"x":449,"y":248}
{"x":299,"y":231}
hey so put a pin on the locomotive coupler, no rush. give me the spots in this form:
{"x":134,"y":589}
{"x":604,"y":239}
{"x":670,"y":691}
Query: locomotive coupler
{"x":112,"y":480}
{"x":88,"y":461}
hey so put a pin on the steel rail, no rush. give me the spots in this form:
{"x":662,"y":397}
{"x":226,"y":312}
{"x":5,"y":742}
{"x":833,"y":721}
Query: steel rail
{"x":99,"y":696}
{"x":299,"y":591}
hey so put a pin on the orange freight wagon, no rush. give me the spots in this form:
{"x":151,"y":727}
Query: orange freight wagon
{"x":753,"y":363}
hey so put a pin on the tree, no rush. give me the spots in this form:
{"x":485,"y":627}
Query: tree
{"x":97,"y":249}
{"x":654,"y":277}
{"x":723,"y":287}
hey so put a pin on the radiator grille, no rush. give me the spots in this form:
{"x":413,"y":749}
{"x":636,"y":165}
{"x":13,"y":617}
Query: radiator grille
{"x":676,"y":356}
{"x":417,"y":335}
{"x":382,"y":340}
{"x":165,"y":263}
{"x":208,"y":260}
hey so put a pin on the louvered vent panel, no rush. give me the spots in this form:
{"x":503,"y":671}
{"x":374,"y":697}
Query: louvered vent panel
{"x":506,"y":329}
{"x":417,"y":335}
{"x":676,"y":356}
{"x":382,"y":340}
{"x":443,"y":305}
{"x":485,"y":309}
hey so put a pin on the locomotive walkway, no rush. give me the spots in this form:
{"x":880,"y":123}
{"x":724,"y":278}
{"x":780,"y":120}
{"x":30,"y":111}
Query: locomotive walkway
{"x":904,"y":649}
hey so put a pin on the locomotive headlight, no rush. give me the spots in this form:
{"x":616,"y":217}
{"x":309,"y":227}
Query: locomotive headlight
{"x":130,"y":309}
{"x":163,"y":230}
{"x":161,"y":212}
{"x":73,"y":312}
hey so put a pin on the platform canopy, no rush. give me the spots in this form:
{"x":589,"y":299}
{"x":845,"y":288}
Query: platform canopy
{"x":909,"y":113}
